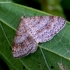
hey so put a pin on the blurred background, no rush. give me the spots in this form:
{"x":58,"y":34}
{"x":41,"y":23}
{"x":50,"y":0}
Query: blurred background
{"x":55,"y":7}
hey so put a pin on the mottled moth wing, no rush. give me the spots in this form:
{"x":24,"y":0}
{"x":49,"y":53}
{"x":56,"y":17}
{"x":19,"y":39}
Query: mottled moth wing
{"x":34,"y":30}
{"x":23,"y":42}
{"x":43,"y":28}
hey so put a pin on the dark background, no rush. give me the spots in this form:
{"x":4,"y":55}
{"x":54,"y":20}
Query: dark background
{"x":38,"y":4}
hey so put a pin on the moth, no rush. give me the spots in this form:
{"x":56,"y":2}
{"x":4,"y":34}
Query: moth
{"x":34,"y":30}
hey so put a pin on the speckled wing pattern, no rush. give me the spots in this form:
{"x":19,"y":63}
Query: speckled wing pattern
{"x":43,"y":28}
{"x":34,"y":30}
{"x":23,"y":42}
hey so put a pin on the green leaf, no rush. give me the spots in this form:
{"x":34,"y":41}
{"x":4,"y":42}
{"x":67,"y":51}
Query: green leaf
{"x":54,"y":54}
